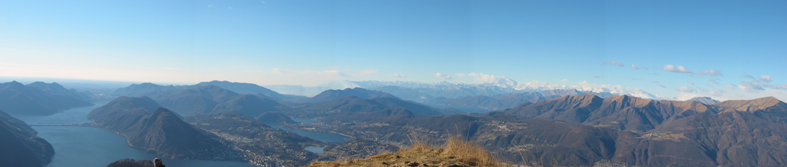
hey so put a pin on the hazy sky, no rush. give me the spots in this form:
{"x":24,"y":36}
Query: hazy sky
{"x":723,"y":49}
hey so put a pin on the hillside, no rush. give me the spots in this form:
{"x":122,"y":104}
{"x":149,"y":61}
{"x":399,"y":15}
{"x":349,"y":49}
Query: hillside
{"x":159,"y":130}
{"x":354,"y":104}
{"x":39,"y":98}
{"x":455,"y":153}
{"x":20,"y":146}
{"x":249,"y":88}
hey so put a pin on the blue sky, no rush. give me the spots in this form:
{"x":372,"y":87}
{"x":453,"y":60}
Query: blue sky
{"x":314,"y":42}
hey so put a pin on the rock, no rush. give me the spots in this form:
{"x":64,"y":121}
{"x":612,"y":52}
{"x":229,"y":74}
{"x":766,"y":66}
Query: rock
{"x":157,"y":163}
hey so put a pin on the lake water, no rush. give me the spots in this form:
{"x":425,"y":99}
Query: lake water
{"x":324,"y":137}
{"x":90,"y":146}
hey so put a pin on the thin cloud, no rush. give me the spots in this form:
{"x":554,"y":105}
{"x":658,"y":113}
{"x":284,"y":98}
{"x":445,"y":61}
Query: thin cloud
{"x":690,"y":83}
{"x":765,"y":78}
{"x":614,"y":63}
{"x":751,"y":86}
{"x":398,"y":75}
{"x":748,"y":76}
{"x":638,"y":67}
{"x":778,"y":86}
{"x":729,"y":86}
{"x":715,"y":81}
{"x":461,"y":74}
{"x":677,"y":69}
{"x":564,"y":80}
{"x":711,"y":72}
{"x":441,"y":75}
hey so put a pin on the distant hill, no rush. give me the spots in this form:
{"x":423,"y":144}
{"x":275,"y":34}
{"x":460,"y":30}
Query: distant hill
{"x":195,"y":100}
{"x":248,"y":88}
{"x":213,"y":99}
{"x":19,"y":145}
{"x":355,"y":104}
{"x":705,"y":100}
{"x":160,"y":130}
{"x":152,"y":90}
{"x":39,"y":98}
{"x":357,"y":92}
{"x":145,"y":89}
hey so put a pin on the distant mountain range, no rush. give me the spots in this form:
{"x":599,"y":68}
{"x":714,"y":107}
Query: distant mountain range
{"x":357,"y":92}
{"x":19,"y":145}
{"x":205,"y":99}
{"x":587,"y":130}
{"x":150,"y":89}
{"x":354,"y":104}
{"x":504,"y":101}
{"x":420,"y":91}
{"x":39,"y":98}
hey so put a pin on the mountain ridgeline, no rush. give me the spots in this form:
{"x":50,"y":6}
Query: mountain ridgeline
{"x":39,"y":98}
{"x":508,"y":100}
{"x":151,"y":90}
{"x":150,"y":127}
{"x":568,"y":127}
{"x":588,"y":130}
{"x":19,"y":145}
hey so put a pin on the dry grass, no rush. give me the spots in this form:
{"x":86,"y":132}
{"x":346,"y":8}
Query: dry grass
{"x":456,"y":151}
{"x":469,"y":152}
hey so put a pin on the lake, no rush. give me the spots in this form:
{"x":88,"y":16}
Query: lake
{"x":90,"y":146}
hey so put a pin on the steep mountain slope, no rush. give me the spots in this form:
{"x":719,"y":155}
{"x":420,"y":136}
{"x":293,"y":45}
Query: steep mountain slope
{"x":19,"y":145}
{"x":17,"y":98}
{"x":198,"y":100}
{"x":122,"y":113}
{"x":619,"y":112}
{"x":169,"y":136}
{"x":159,"y":130}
